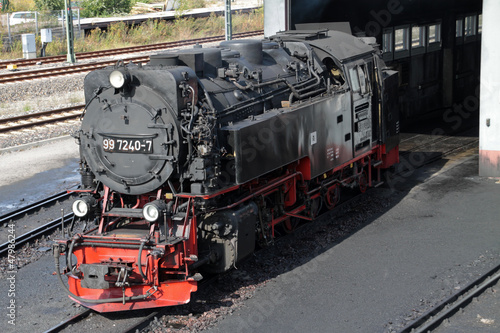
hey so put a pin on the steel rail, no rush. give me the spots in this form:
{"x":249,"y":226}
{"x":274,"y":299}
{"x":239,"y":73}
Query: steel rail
{"x":446,"y":309}
{"x":142,"y":324}
{"x":62,"y":71}
{"x":70,"y":321}
{"x":124,"y":50}
{"x":29,"y":120}
{"x":36,"y":233}
{"x":15,"y":214}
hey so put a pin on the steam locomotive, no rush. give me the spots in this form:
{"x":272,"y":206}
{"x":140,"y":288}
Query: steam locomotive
{"x":191,"y":161}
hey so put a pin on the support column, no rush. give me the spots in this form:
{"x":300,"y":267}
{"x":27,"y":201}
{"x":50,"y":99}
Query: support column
{"x":275,"y":16}
{"x":448,"y":32}
{"x":69,"y":32}
{"x":228,"y":21}
{"x":489,"y":119}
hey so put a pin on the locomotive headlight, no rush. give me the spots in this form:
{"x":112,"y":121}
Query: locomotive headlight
{"x":118,"y":78}
{"x":154,"y":210}
{"x":81,"y":208}
{"x":84,"y":206}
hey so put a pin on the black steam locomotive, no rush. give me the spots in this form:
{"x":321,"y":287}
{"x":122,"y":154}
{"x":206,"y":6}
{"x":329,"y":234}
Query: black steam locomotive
{"x":191,"y":160}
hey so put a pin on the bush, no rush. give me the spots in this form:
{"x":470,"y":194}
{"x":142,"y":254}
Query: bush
{"x":93,"y":8}
{"x":49,"y":4}
{"x":21,"y":5}
{"x":182,"y":6}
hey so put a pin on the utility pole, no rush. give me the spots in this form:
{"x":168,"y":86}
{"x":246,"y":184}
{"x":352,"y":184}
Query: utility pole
{"x":229,"y":25}
{"x":69,"y":32}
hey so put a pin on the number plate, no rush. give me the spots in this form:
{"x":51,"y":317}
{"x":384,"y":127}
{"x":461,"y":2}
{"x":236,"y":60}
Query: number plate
{"x":116,"y":145}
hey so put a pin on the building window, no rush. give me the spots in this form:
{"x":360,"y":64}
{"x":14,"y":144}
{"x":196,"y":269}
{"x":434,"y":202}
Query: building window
{"x":470,"y":25}
{"x":434,"y":34}
{"x":459,"y":28}
{"x":417,"y":37}
{"x":401,"y":39}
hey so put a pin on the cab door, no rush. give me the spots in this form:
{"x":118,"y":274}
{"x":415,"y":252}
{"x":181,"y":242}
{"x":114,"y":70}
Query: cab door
{"x":361,"y":94}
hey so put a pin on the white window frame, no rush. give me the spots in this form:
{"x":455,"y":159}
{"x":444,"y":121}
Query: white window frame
{"x":418,"y":41}
{"x":402,"y":37}
{"x":470,"y":26}
{"x":388,"y":44}
{"x":433,"y":34}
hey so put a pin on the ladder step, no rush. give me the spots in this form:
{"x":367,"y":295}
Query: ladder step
{"x":376,"y":164}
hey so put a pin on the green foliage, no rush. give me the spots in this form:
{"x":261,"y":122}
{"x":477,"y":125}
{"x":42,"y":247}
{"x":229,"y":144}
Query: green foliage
{"x":49,"y":4}
{"x":93,"y":8}
{"x":21,"y":5}
{"x":183,"y":5}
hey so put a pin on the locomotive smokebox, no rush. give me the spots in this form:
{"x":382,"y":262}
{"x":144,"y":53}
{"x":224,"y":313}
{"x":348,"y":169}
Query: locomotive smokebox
{"x":131,"y":140}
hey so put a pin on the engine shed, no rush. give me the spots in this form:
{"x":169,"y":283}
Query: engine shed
{"x":438,"y":48}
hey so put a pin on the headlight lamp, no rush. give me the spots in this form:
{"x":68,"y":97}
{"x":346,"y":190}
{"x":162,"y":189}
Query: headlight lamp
{"x":82,"y":206}
{"x":118,"y":78}
{"x":154,"y":210}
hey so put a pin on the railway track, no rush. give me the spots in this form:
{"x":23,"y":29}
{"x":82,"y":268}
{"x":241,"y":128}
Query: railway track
{"x":75,"y":319}
{"x":40,"y":118}
{"x":446,"y":309}
{"x":61,"y":71}
{"x":18,"y":213}
{"x":42,"y":230}
{"x":37,"y":233}
{"x":20,"y":76}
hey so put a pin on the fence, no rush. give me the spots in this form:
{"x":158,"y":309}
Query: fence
{"x":13,"y":25}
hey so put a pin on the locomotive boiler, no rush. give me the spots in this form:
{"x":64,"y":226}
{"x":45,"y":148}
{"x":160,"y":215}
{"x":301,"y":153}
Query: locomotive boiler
{"x":192,"y":160}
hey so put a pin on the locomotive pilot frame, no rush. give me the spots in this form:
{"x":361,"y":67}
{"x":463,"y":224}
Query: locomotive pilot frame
{"x":192,"y":160}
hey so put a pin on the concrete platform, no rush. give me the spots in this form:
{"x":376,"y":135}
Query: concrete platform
{"x":241,"y":6}
{"x":439,"y":233}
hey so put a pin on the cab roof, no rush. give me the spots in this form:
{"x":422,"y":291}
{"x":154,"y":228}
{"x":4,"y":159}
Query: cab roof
{"x":340,"y":45}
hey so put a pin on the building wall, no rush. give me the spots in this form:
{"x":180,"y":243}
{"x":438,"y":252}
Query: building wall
{"x":489,"y":119}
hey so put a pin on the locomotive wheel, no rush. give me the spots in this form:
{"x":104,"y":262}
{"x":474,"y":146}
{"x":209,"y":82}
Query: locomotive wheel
{"x":332,"y":196}
{"x":290,"y":224}
{"x":363,"y":182}
{"x":315,"y":207}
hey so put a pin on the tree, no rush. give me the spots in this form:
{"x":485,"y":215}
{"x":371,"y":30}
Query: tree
{"x":92,"y":8}
{"x":49,"y":4}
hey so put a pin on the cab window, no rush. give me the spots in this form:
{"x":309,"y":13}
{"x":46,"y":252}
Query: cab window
{"x":363,"y":80}
{"x":353,"y":73}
